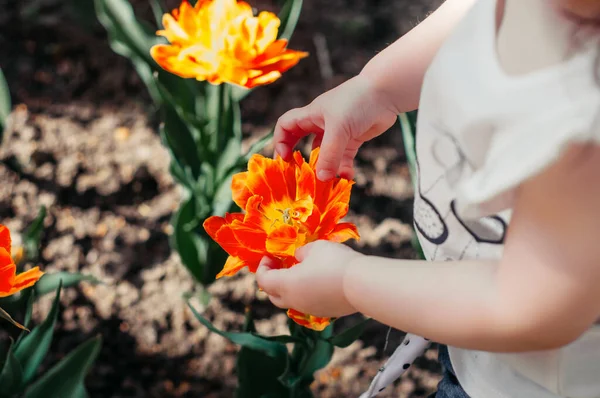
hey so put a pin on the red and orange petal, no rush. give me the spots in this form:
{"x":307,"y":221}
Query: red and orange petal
{"x":239,"y":189}
{"x":343,"y":232}
{"x":22,"y":281}
{"x":10,"y":282}
{"x":308,"y":321}
{"x":5,"y":241}
{"x":232,"y":266}
{"x":282,"y":240}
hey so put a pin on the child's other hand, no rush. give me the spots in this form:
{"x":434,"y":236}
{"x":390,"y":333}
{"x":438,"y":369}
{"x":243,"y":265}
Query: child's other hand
{"x":314,"y":286}
{"x":342,"y":119}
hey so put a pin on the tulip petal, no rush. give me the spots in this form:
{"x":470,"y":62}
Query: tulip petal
{"x":343,"y":232}
{"x":333,"y":215}
{"x":239,"y":189}
{"x":256,"y":180}
{"x":232,"y":266}
{"x":254,"y":215}
{"x":23,"y":281}
{"x":7,"y":271}
{"x":213,"y":224}
{"x":305,"y":181}
{"x":312,"y":322}
{"x":249,"y":236}
{"x":5,"y":241}
{"x":282,"y":240}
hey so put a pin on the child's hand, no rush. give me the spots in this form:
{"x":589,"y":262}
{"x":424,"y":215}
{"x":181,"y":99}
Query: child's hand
{"x":342,"y":120}
{"x":314,"y":286}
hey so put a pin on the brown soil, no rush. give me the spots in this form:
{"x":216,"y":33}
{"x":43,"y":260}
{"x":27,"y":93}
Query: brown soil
{"x":84,"y":134}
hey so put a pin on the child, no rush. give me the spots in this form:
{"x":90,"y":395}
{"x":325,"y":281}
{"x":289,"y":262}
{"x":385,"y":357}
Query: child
{"x":507,"y":204}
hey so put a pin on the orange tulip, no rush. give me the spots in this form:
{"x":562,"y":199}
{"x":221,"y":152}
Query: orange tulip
{"x":10,"y":282}
{"x":222,"y":41}
{"x":286,"y":207}
{"x":309,"y":321}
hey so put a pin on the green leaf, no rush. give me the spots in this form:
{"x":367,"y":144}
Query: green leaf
{"x":50,"y":282}
{"x":32,"y":349}
{"x":66,"y":378}
{"x":350,"y":335}
{"x":118,"y":18}
{"x":11,"y":377}
{"x":289,"y":15}
{"x":80,"y":392}
{"x":408,"y":138}
{"x":191,"y":249}
{"x":258,"y":374}
{"x":244,"y":339}
{"x":157,"y":10}
{"x":258,"y":146}
{"x":5,"y":315}
{"x":5,"y":103}
{"x":180,"y":141}
{"x":318,"y":358}
{"x":223,"y":200}
{"x":30,"y":296}
{"x":33,"y":235}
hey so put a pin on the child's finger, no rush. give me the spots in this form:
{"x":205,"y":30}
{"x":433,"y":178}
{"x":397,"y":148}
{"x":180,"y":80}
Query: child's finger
{"x":293,"y":126}
{"x":332,"y":151}
{"x":302,"y":252}
{"x":270,"y":280}
{"x":347,"y":165}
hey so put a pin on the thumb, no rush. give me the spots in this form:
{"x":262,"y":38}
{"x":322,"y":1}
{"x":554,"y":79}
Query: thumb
{"x":270,"y":280}
{"x":332,"y":151}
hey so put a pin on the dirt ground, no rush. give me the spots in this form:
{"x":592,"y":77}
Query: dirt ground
{"x":84,"y":133}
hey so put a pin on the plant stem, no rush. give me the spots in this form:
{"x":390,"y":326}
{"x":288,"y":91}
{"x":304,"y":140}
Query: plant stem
{"x":221,"y":109}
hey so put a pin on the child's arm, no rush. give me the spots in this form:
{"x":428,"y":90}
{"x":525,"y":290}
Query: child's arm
{"x":368,"y":104}
{"x":398,"y":70}
{"x":543,"y":293}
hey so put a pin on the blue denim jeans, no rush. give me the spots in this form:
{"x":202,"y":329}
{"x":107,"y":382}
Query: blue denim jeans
{"x":448,"y":387}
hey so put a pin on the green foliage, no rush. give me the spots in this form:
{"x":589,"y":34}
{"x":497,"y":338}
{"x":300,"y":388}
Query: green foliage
{"x":266,"y":368}
{"x":408,"y":125}
{"x":33,"y":235}
{"x":201,"y":128}
{"x":5,"y":103}
{"x":21,"y":362}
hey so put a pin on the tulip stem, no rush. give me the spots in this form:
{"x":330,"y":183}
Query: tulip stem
{"x":222,"y":136}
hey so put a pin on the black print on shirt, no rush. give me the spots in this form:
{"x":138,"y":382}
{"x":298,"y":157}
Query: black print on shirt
{"x":429,"y":222}
{"x":490,"y":229}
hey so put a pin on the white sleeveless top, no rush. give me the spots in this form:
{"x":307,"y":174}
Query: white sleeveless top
{"x":481,"y":133}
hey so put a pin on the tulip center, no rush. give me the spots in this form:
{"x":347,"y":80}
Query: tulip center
{"x":289,"y":215}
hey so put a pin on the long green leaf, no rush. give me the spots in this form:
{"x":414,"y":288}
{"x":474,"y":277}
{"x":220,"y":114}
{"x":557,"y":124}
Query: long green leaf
{"x":258,"y":145}
{"x":257,"y":372}
{"x":5,"y":103}
{"x":5,"y":315}
{"x":66,"y":377}
{"x":30,"y":298}
{"x":181,"y":141}
{"x":157,"y":10}
{"x":248,"y":340}
{"x":50,"y":282}
{"x":408,"y":122}
{"x":408,"y":138}
{"x":32,"y":349}
{"x":350,"y":335}
{"x":317,"y":359}
{"x":191,"y":249}
{"x":11,"y":376}
{"x":33,"y":234}
{"x":289,"y":15}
